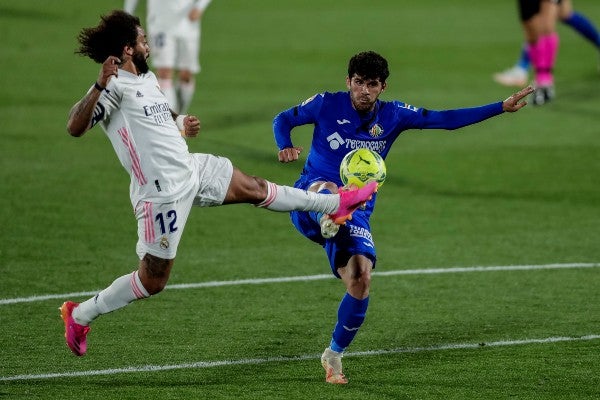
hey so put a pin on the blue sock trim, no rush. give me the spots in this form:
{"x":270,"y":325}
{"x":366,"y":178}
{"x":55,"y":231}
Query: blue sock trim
{"x":335,"y":347}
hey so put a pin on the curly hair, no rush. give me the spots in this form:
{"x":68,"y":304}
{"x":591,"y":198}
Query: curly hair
{"x":369,"y":65}
{"x":115,"y":31}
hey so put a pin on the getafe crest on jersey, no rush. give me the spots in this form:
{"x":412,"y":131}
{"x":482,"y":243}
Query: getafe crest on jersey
{"x":376,"y":130}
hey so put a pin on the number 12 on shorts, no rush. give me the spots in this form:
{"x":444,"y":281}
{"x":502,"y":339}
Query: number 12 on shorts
{"x":169,"y":221}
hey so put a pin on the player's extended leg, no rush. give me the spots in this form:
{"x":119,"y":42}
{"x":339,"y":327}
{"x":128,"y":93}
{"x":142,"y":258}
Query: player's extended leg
{"x":167,"y":86}
{"x":262,"y":193}
{"x":187,"y":89}
{"x":356,"y":275}
{"x":579,"y":22}
{"x":150,"y":278}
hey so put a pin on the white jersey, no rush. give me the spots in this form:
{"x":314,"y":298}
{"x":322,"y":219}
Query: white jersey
{"x":136,"y":118}
{"x":170,"y":15}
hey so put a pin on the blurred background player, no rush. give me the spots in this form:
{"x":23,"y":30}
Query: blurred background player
{"x":174,"y":30}
{"x":344,"y":121}
{"x":518,"y":75}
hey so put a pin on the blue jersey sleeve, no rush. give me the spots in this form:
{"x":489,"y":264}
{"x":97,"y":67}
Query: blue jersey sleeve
{"x":457,"y":118}
{"x":305,"y":113}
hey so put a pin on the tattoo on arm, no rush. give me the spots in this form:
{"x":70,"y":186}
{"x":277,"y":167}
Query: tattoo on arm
{"x":80,"y":116}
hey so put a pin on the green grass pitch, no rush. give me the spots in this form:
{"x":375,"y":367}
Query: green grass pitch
{"x":517,"y":190}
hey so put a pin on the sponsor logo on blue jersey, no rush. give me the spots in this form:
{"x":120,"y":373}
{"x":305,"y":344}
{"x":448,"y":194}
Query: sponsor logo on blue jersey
{"x":359,"y":231}
{"x":336,"y":141}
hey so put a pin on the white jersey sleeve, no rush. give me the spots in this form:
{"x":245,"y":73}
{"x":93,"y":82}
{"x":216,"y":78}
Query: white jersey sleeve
{"x":136,"y":118}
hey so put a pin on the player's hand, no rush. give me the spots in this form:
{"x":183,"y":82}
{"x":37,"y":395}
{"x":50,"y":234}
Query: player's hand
{"x":195,"y":14}
{"x":110,"y":67}
{"x":289,"y":154}
{"x":514,"y":103}
{"x":191,"y":125}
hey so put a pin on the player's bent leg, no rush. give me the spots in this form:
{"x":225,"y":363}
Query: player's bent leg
{"x":150,"y":278}
{"x":352,"y":310}
{"x":154,"y":273}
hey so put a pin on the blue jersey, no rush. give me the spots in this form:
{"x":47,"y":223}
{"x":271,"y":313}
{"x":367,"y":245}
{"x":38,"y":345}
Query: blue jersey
{"x":339,"y":129}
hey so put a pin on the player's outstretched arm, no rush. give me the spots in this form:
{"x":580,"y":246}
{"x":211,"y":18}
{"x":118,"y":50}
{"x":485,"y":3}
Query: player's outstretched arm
{"x":514,"y":103}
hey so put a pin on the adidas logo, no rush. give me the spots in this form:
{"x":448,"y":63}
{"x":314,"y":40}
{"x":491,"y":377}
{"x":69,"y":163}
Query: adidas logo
{"x":139,"y":94}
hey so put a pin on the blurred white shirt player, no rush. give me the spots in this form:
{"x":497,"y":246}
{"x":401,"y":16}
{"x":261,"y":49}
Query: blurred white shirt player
{"x":174,"y":31}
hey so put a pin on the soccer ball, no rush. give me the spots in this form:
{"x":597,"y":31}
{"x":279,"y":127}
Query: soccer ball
{"x":361,"y":166}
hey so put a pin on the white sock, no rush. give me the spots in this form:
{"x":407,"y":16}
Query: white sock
{"x":186,"y":94}
{"x":286,"y":198}
{"x":121,"y":292}
{"x":166,"y":86}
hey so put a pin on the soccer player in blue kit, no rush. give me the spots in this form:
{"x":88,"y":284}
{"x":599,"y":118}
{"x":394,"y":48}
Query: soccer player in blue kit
{"x":344,"y":121}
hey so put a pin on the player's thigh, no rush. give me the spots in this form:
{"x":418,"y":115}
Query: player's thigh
{"x":215,"y":177}
{"x":160,"y":226}
{"x":163,"y":49}
{"x":353,"y":238}
{"x":528,"y":8}
{"x":188,"y":54}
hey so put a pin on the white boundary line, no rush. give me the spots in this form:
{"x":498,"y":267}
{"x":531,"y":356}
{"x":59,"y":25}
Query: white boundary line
{"x":258,"y":361}
{"x":260,"y":281}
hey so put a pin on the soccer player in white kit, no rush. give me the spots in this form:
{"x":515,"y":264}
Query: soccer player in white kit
{"x":174,"y":30}
{"x":166,"y":179}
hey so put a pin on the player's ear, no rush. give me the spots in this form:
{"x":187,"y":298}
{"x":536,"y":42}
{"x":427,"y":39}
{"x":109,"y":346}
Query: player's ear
{"x":348,"y":82}
{"x":128,"y":50}
{"x":383,"y":86}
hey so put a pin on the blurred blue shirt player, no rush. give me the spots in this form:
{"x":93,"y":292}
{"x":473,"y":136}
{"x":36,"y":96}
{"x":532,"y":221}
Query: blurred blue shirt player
{"x":344,"y":121}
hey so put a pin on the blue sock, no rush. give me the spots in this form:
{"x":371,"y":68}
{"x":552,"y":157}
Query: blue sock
{"x":314,"y":215}
{"x":584,"y":26}
{"x":351,"y":315}
{"x":524,"y":61}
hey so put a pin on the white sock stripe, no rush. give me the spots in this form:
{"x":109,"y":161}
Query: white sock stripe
{"x":136,"y":285}
{"x":271,"y":194}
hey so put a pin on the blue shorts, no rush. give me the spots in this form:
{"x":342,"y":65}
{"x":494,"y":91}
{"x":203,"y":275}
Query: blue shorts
{"x":352,"y":239}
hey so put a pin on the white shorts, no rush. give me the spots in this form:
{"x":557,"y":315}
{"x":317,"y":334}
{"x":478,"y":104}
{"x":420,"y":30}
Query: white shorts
{"x":176,"y":49}
{"x":160,"y":225}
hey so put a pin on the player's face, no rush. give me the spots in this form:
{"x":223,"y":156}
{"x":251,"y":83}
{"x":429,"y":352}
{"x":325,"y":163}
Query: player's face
{"x":141,"y":52}
{"x":364,"y":92}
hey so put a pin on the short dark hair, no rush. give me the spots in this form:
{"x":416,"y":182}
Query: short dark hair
{"x":115,"y":31}
{"x":368,"y":65}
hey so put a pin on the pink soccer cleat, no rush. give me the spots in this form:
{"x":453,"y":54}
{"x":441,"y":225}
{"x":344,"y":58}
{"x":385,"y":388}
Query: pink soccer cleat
{"x":350,"y":200}
{"x":75,"y":334}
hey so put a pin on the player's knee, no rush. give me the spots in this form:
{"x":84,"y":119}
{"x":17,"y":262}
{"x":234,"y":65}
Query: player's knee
{"x":256,"y":189}
{"x":154,"y":273}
